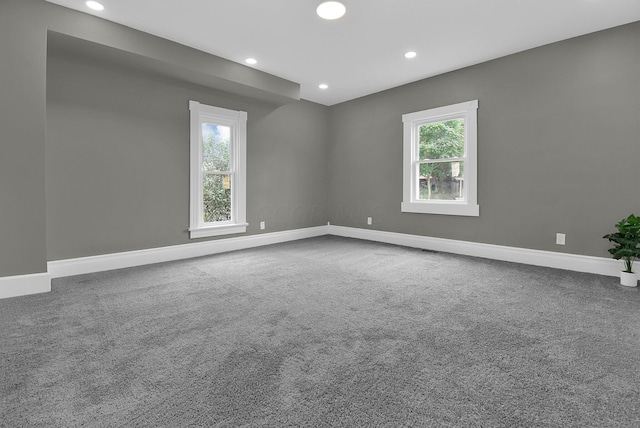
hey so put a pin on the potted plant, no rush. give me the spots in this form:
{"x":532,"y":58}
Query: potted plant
{"x":627,"y":247}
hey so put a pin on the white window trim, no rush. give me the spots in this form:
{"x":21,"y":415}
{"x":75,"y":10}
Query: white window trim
{"x":411,"y":122}
{"x":237,"y":120}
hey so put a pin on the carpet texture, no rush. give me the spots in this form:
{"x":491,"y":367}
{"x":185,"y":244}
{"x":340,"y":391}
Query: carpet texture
{"x":324,"y":332}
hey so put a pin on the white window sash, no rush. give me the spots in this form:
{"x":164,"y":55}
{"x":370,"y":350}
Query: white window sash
{"x":468,"y":206}
{"x":236,"y":121}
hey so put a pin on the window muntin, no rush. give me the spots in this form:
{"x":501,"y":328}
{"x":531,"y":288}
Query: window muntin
{"x":218,"y":171}
{"x":439,"y":167}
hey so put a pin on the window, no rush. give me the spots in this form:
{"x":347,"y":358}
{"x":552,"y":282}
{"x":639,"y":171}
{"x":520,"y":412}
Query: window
{"x":439,"y":160}
{"x":218,"y":171}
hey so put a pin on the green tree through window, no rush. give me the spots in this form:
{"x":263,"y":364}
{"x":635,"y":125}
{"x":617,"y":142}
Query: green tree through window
{"x":441,"y":149}
{"x":216,"y":155}
{"x":439,"y":153}
{"x":218,"y":171}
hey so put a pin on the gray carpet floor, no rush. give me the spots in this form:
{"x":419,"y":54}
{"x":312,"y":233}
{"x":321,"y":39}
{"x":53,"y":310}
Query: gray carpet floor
{"x":324,"y":332}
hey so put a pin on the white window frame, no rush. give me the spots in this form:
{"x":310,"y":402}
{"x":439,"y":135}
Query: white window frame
{"x":411,"y":151}
{"x":237,"y":121}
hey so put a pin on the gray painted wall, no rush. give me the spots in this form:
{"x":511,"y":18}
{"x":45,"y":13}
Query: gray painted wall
{"x":117,"y":159}
{"x":558,"y":147}
{"x":22,"y":131}
{"x":27,"y":222}
{"x":558,"y":144}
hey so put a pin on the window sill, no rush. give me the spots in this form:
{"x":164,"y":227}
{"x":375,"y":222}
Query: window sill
{"x":445,"y":208}
{"x":226,"y":229}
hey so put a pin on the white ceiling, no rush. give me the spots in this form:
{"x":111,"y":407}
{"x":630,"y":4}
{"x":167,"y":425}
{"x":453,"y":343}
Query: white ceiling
{"x":362,"y":52}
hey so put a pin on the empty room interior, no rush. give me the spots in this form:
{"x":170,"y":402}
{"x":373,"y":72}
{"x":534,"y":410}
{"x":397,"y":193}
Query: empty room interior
{"x":243,"y":213}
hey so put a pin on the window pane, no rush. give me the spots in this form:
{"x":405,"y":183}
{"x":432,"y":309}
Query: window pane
{"x":217,"y":198}
{"x":442,"y":139}
{"x":441,"y":180}
{"x":216,"y":147}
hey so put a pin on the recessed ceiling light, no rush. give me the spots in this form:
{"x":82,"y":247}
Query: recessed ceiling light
{"x":410,"y":54}
{"x":94,"y":5}
{"x":323,"y":86}
{"x":251,"y":61}
{"x":331,"y":10}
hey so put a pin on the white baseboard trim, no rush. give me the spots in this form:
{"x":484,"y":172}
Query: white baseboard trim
{"x":69,"y":267}
{"x":61,"y":268}
{"x":574,"y":262}
{"x":21,"y":285}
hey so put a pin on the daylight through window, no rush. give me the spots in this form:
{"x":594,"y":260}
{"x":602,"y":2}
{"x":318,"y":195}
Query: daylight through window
{"x":218,"y":163}
{"x":440,"y":147}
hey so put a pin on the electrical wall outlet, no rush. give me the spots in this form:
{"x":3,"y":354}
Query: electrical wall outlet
{"x":369,"y":220}
{"x":262,"y":225}
{"x":560,"y":237}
